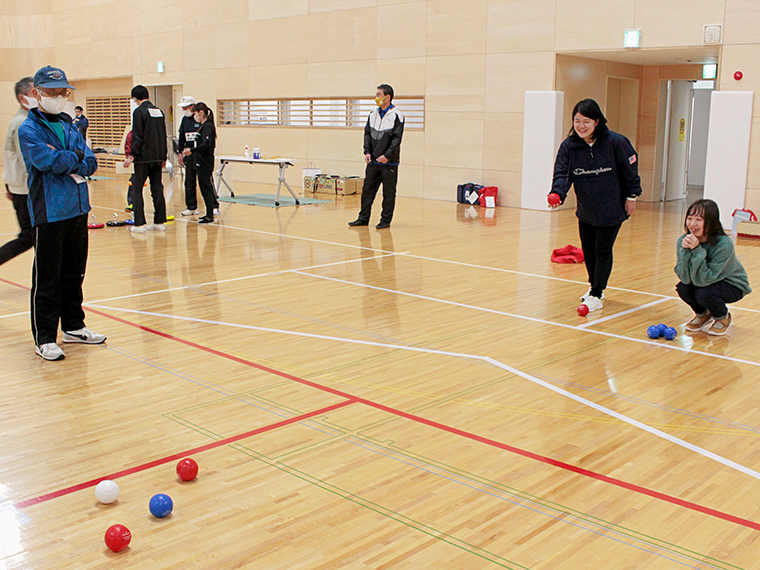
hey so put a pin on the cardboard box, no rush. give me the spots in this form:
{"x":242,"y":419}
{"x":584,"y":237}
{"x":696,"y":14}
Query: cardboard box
{"x":748,"y":229}
{"x":349,"y":185}
{"x":319,"y":184}
{"x":309,"y":184}
{"x":324,"y":184}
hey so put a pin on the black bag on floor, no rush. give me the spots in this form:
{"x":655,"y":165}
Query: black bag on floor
{"x":469,"y":193}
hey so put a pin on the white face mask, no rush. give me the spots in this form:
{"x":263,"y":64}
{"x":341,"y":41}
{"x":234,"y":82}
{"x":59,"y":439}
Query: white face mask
{"x":29,"y":102}
{"x":53,"y":105}
{"x":187,"y":113}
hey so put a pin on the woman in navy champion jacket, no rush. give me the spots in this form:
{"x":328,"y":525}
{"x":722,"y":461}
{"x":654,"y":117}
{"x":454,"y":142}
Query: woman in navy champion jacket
{"x":602,"y":166}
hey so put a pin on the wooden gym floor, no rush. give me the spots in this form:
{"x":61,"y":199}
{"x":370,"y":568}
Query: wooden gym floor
{"x":415,"y":398}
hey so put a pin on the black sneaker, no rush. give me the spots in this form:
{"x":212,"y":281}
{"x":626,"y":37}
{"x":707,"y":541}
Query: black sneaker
{"x":383,"y":225}
{"x":358,"y":222}
{"x":206,"y":220}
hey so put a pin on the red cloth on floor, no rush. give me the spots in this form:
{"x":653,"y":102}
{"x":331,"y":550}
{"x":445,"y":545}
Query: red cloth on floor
{"x":567,"y":254}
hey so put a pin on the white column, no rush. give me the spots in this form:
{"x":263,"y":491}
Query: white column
{"x":542,"y":135}
{"x":728,"y":151}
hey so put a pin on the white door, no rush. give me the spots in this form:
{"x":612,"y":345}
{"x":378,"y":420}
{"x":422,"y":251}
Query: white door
{"x":700,"y":121}
{"x":678,"y":140}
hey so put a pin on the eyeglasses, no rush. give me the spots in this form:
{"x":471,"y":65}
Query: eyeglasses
{"x":55,"y":93}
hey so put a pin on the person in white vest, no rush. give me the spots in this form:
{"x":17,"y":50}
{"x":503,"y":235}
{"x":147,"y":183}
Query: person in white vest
{"x":15,"y":175}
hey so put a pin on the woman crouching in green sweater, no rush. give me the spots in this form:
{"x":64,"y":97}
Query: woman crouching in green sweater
{"x":710,"y":273}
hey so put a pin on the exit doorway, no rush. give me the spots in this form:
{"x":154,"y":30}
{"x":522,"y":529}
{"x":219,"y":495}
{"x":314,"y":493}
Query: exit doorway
{"x":684,"y":149}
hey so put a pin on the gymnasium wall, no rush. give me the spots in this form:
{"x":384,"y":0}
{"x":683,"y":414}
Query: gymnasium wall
{"x":472,"y":60}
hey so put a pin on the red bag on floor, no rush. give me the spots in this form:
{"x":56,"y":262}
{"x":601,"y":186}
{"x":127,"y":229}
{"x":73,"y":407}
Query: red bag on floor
{"x":491,"y":191}
{"x":567,"y":254}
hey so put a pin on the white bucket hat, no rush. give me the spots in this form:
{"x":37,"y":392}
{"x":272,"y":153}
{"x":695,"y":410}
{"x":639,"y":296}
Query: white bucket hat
{"x":186,"y":101}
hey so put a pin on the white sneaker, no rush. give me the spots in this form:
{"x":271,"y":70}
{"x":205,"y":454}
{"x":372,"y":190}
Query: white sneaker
{"x":50,"y":351}
{"x":84,"y":335}
{"x":137,"y":229}
{"x":583,"y":298}
{"x":593,"y":303}
{"x":216,"y":211}
{"x":190,"y":212}
{"x":157,"y":227}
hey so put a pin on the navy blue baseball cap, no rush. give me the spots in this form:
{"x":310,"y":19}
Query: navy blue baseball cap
{"x":51,"y":77}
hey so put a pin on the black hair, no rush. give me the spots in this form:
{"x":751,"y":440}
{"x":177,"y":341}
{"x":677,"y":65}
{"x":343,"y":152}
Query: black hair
{"x":23,"y":86}
{"x":201,"y":106}
{"x":588,"y":108}
{"x":78,"y":108}
{"x":710,"y":213}
{"x":140,"y":92}
{"x":386,"y":89}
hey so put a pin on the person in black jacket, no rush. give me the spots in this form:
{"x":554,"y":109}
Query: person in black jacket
{"x":148,"y":153}
{"x":188,"y":129}
{"x":602,"y":166}
{"x":382,"y":151}
{"x":201,"y":154}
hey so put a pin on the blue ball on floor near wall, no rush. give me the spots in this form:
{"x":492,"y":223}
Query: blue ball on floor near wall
{"x":670,"y":333}
{"x":662,"y":328}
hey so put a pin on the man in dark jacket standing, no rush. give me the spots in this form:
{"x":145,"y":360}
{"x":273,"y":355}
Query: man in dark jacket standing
{"x":148,"y":153}
{"x":81,"y":122}
{"x":188,"y":130}
{"x":382,"y":151}
{"x":57,"y":160}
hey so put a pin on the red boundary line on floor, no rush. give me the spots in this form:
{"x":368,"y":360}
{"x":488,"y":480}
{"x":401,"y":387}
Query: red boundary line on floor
{"x":431,"y":423}
{"x":24,"y":287}
{"x":193,"y":451}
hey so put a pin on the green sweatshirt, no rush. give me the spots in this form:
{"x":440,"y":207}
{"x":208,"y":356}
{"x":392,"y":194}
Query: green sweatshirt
{"x":710,"y":263}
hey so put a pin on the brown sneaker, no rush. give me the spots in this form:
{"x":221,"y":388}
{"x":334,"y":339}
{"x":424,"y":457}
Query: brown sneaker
{"x":720,"y":326}
{"x":696,"y":324}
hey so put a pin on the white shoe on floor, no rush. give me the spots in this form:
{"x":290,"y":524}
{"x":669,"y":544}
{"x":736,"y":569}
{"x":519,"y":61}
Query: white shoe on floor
{"x":50,"y":351}
{"x":190,"y":212}
{"x":157,"y":227}
{"x":216,"y":211}
{"x":593,"y":303}
{"x":137,"y":229}
{"x":83,"y":335}
{"x":583,"y":298}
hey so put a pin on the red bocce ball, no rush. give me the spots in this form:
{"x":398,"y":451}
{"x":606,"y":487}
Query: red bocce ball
{"x":187,"y":469}
{"x":118,"y":537}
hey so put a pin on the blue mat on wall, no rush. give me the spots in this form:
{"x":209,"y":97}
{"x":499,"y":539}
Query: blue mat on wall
{"x":267,"y":200}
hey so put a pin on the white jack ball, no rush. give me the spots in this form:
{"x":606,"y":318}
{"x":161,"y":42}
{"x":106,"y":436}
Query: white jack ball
{"x":107,"y":492}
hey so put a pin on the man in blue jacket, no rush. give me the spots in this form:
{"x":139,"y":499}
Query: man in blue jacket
{"x":81,"y":122}
{"x":57,"y":160}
